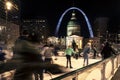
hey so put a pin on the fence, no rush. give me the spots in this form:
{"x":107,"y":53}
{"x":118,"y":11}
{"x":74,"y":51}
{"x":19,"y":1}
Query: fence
{"x":102,"y":70}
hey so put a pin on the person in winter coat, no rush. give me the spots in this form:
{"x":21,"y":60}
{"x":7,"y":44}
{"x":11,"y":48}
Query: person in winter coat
{"x":86,"y":51}
{"x":69,"y":52}
{"x":26,"y":60}
{"x":107,"y":51}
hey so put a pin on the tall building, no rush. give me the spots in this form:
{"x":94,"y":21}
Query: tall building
{"x":9,"y":21}
{"x":36,"y":26}
{"x":100,"y":27}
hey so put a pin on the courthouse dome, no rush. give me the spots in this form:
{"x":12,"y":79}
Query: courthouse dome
{"x":73,"y":26}
{"x":73,"y":20}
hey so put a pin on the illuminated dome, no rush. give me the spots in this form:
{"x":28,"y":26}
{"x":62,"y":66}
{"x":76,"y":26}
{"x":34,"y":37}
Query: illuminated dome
{"x":73,"y":26}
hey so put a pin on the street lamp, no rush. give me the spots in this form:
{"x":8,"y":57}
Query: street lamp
{"x":8,"y":6}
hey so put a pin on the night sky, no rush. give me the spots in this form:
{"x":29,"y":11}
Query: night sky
{"x":53,"y":9}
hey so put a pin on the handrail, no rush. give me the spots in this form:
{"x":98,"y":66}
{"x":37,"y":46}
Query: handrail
{"x":103,"y":70}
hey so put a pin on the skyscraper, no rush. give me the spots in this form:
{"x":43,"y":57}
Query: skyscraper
{"x":37,"y":26}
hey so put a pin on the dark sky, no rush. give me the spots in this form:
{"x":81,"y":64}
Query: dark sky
{"x":53,"y":9}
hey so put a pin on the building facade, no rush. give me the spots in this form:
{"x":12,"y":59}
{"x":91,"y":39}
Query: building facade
{"x":37,"y":26}
{"x":73,"y":32}
{"x":9,"y":22}
{"x":100,"y":28}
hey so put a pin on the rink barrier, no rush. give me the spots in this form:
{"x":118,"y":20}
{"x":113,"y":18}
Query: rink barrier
{"x":101,"y":70}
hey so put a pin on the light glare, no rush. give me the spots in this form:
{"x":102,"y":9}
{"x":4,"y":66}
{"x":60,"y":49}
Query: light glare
{"x":8,"y":5}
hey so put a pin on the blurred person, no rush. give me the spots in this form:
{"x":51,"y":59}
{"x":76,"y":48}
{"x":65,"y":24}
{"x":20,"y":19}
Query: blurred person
{"x":107,"y":51}
{"x":43,"y":50}
{"x":86,"y":51}
{"x":69,"y":52}
{"x":56,"y":48}
{"x":73,"y":44}
{"x":33,"y":39}
{"x":100,"y":50}
{"x":2,"y":55}
{"x":1,"y":49}
{"x":5,"y":55}
{"x":27,"y":60}
{"x":25,"y":49}
{"x":48,"y":53}
{"x":76,"y":54}
{"x":8,"y":55}
{"x":94,"y":52}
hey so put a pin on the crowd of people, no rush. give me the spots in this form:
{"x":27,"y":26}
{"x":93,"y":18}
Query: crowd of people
{"x":28,"y":59}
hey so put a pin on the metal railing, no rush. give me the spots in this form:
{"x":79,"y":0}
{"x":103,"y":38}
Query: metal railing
{"x":101,"y":70}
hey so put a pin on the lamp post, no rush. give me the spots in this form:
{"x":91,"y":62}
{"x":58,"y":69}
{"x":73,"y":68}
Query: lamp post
{"x":8,"y":6}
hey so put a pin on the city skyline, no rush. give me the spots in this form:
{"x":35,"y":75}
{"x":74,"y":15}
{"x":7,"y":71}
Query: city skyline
{"x":52,"y":10}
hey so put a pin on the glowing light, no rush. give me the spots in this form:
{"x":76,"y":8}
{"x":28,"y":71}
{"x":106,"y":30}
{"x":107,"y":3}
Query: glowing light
{"x":8,"y":5}
{"x":72,"y":8}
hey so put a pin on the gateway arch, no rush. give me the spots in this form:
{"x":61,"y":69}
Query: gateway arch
{"x":74,"y":8}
